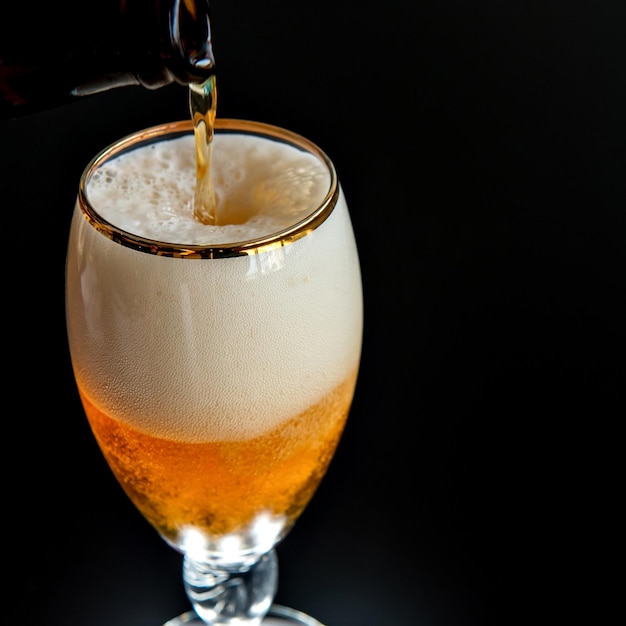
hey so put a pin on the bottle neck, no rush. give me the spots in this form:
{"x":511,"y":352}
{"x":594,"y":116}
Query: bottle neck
{"x":50,"y":56}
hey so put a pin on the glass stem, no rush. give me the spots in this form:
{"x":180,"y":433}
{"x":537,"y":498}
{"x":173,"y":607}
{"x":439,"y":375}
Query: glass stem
{"x":224,"y":598}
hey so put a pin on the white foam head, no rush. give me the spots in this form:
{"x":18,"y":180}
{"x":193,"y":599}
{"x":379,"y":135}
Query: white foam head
{"x":213,"y":349}
{"x":277,"y":185}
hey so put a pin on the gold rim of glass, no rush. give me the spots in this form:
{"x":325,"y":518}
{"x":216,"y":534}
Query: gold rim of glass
{"x":241,"y":248}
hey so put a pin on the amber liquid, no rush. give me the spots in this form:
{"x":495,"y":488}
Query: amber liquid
{"x":203,"y":109}
{"x":221,"y":487}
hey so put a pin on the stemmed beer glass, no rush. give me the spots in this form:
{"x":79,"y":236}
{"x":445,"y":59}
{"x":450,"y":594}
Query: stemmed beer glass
{"x":216,"y":363}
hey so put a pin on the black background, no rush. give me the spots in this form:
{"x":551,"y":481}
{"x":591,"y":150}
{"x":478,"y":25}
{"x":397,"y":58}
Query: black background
{"x":481,"y":146}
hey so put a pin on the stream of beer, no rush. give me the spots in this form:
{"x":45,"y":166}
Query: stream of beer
{"x":203,"y":106}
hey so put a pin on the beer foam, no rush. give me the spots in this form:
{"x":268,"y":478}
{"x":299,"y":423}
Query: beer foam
{"x":275,"y":188}
{"x":212,"y":349}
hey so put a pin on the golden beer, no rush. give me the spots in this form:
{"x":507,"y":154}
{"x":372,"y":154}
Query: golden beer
{"x":216,"y":364}
{"x":220,"y":488}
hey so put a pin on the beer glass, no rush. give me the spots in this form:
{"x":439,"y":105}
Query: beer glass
{"x":216,"y":364}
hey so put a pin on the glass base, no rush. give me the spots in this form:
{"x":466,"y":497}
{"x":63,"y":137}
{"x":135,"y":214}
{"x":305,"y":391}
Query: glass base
{"x":277,"y":616}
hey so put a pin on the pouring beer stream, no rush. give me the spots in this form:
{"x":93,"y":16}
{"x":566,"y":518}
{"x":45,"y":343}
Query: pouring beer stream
{"x":203,"y":107}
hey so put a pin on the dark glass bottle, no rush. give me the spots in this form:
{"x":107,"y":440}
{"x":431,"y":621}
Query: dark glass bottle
{"x":53,"y":52}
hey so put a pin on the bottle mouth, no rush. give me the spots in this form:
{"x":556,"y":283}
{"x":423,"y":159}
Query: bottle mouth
{"x":190,"y":34}
{"x":314,"y":218}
